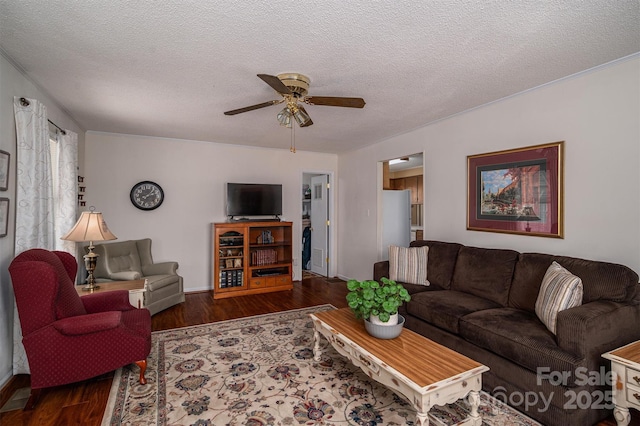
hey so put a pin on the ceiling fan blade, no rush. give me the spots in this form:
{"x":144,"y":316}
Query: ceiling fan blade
{"x":252,"y":107}
{"x":309,"y":121}
{"x":335,"y":101}
{"x":275,"y":83}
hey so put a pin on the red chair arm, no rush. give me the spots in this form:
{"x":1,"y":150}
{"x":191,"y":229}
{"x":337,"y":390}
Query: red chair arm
{"x":116,"y":300}
{"x":91,"y":323}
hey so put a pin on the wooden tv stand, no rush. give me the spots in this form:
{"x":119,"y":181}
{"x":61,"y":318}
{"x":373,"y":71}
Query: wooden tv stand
{"x":251,"y":257}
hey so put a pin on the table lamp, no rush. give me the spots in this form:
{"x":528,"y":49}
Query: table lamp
{"x":90,"y":227}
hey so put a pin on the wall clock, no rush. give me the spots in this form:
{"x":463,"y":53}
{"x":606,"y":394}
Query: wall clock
{"x":146,"y":195}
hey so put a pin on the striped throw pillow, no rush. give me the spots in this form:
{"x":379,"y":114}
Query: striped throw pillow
{"x":408,"y":264}
{"x":560,"y":290}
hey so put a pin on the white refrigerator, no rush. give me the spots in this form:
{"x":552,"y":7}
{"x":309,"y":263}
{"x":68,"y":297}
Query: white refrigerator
{"x":396,"y":220}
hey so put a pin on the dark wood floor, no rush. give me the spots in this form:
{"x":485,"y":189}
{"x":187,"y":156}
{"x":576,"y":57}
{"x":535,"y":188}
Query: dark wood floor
{"x":84,"y":403}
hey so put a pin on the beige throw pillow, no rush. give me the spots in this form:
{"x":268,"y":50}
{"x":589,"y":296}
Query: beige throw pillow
{"x":408,"y":264}
{"x":560,"y":290}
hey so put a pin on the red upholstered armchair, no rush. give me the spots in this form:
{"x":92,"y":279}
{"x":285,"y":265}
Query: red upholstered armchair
{"x":68,"y":338}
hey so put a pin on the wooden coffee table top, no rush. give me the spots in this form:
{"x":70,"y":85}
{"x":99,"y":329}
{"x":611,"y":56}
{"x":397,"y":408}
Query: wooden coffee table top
{"x":419,"y":359}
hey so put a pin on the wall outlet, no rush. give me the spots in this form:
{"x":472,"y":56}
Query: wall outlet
{"x":295,"y":262}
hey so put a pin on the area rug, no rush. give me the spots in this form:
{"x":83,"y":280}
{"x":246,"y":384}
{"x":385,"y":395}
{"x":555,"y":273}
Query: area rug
{"x":260,"y":371}
{"x":308,"y":274}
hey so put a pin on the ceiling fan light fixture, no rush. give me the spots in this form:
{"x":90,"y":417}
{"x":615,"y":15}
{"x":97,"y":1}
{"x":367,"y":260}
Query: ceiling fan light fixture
{"x":284,"y":117}
{"x":300,"y":116}
{"x":293,"y":89}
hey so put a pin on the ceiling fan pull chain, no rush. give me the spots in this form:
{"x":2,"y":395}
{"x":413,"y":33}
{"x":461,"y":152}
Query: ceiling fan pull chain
{"x":293,"y":139}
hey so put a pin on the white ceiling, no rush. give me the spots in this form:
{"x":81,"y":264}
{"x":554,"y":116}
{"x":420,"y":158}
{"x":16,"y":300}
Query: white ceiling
{"x":171,"y":68}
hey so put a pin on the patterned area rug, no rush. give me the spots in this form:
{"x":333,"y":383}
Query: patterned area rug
{"x":260,"y":371}
{"x":309,"y":274}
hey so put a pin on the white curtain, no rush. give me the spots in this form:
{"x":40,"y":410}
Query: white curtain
{"x":34,"y":186}
{"x":41,"y":218}
{"x":67,"y":189}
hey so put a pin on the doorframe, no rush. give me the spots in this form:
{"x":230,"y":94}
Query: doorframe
{"x":332,"y":247}
{"x":379,"y":189}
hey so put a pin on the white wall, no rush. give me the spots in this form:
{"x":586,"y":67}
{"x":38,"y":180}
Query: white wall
{"x":14,"y":83}
{"x":193,"y":176}
{"x":597,"y":114}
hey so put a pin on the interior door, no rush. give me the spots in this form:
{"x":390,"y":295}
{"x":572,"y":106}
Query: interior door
{"x":320,"y":224}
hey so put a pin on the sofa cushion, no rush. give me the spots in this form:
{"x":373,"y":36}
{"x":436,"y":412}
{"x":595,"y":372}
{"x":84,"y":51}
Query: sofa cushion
{"x":445,"y":308}
{"x":600,"y":280}
{"x":408,"y":265}
{"x":501,"y":332}
{"x":485,"y":273}
{"x":127,"y":261}
{"x":117,"y":257}
{"x":560,"y":290}
{"x":418,"y":288}
{"x":441,"y":262}
{"x":167,"y":291}
{"x":125,"y":276}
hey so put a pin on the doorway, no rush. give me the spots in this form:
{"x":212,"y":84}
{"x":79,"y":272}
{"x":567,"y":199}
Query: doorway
{"x":315,"y":223}
{"x":402,"y":174}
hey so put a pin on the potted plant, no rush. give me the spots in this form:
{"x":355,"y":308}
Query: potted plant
{"x":369,"y":299}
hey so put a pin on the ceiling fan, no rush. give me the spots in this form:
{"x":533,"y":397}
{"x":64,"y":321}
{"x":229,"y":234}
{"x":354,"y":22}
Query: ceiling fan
{"x":293,"y":88}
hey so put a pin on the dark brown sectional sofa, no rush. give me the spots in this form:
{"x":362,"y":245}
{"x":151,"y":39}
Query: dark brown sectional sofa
{"x":481,"y":303}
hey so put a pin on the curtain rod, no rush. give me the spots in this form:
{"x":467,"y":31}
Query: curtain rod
{"x":64,"y":132}
{"x":25,"y":102}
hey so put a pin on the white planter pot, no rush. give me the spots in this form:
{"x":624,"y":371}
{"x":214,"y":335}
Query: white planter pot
{"x":393,"y":320}
{"x":384,"y":331}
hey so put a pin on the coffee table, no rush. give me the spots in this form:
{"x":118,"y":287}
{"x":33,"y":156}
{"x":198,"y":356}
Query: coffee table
{"x":136,"y":288}
{"x":425,"y":372}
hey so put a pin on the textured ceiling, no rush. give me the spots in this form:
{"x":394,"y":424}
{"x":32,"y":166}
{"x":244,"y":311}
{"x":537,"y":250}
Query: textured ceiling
{"x":171,"y":68}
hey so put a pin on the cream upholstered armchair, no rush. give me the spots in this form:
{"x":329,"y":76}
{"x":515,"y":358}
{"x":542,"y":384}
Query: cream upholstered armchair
{"x":132,"y":260}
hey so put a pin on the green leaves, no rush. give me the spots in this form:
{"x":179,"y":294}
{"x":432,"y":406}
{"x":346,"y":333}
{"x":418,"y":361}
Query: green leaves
{"x":384,"y":316}
{"x":366,"y":298}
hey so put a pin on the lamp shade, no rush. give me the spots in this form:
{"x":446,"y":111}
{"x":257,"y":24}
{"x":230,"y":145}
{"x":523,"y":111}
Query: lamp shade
{"x":90,"y":227}
{"x":284,"y":117}
{"x":301,"y":117}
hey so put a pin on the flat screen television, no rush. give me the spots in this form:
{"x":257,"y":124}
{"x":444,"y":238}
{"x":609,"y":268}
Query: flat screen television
{"x":254,"y":199}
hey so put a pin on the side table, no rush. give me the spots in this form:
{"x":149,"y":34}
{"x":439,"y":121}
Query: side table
{"x":136,"y":288}
{"x":625,"y":366}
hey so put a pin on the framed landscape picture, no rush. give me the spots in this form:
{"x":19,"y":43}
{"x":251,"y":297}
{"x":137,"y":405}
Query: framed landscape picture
{"x":518,"y":191}
{"x":4,"y":170}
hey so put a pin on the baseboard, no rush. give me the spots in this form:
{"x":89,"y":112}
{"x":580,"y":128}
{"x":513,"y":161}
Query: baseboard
{"x":197,"y":290}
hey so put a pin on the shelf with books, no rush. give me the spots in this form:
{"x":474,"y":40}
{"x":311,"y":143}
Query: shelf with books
{"x":229,"y":252}
{"x":251,"y":257}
